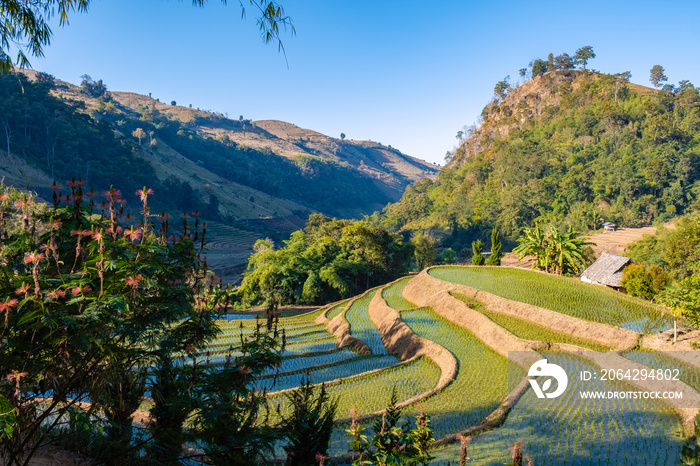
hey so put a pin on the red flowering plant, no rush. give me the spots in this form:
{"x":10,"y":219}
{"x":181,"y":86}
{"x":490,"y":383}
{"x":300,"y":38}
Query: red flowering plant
{"x":89,"y":310}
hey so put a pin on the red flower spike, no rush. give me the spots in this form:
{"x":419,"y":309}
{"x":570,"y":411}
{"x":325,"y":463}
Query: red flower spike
{"x":144,"y":193}
{"x":33,"y":257}
{"x":8,"y":305}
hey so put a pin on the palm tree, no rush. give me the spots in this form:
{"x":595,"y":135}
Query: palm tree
{"x":533,"y":242}
{"x":554,"y":252}
{"x":566,"y":250}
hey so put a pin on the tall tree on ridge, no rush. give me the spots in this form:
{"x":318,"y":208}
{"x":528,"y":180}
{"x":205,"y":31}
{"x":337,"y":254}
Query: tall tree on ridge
{"x":583,"y":55}
{"x":657,"y":76}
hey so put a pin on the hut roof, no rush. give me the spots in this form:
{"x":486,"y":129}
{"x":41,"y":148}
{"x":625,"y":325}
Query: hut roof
{"x":607,"y":270}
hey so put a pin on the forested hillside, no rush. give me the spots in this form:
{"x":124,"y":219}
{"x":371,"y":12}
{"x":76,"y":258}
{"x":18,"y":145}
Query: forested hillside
{"x":232,"y":169}
{"x":570,"y":147}
{"x":247,"y":180}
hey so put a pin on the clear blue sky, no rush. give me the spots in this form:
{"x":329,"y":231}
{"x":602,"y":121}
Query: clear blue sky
{"x":401,"y":72}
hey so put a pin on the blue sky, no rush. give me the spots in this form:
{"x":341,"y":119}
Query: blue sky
{"x":405,"y":73}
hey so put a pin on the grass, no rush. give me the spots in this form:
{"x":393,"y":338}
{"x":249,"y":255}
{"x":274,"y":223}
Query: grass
{"x":393,"y":297}
{"x":528,"y":330}
{"x":316,"y":375}
{"x":361,"y":325}
{"x":568,"y":296}
{"x":571,"y":431}
{"x":482,"y":381}
{"x":336,"y":310}
{"x":371,"y":393}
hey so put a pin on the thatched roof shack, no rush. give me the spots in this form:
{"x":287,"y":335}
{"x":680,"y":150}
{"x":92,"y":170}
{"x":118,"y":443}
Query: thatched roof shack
{"x":607,"y":270}
{"x":609,"y":226}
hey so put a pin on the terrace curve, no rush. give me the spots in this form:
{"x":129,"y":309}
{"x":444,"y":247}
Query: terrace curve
{"x":428,"y":291}
{"x":339,"y":327}
{"x":426,"y":288}
{"x":400,"y":341}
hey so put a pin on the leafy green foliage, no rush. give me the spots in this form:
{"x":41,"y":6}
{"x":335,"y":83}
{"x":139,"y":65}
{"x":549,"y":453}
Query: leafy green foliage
{"x":105,"y":312}
{"x":583,"y":55}
{"x":643,"y":282}
{"x":392,"y":445}
{"x":502,"y":89}
{"x":577,"y":147}
{"x":676,"y":251}
{"x":424,"y":250}
{"x":477,"y":257}
{"x":93,"y":88}
{"x":657,"y":76}
{"x":496,"y":249}
{"x":309,"y":426}
{"x":89,"y":304}
{"x":683,"y":299}
{"x":448,"y":256}
{"x":560,"y":253}
{"x":329,"y":260}
{"x":539,"y":67}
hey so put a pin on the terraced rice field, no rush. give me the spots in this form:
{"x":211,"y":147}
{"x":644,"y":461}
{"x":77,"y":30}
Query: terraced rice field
{"x":569,"y":431}
{"x":303,"y":335}
{"x":302,"y":362}
{"x":336,"y":310}
{"x":361,"y":326}
{"x":482,"y":381}
{"x":393,"y":297}
{"x":339,"y":370}
{"x":370,"y":393}
{"x":567,"y":296}
{"x":528,"y":330}
{"x":562,"y":431}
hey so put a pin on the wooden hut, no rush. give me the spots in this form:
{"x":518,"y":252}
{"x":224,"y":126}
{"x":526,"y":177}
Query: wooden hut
{"x":606,"y":270}
{"x":609,"y":226}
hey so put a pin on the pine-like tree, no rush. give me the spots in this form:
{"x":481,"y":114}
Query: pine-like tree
{"x":309,"y":426}
{"x":496,"y":249}
{"x":477,"y":248}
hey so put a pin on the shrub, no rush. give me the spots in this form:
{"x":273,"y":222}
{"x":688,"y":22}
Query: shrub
{"x":89,"y":303}
{"x":477,"y":248}
{"x":644,"y":282}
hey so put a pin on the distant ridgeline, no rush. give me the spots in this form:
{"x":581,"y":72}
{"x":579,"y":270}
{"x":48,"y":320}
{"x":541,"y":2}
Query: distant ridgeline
{"x":54,"y":130}
{"x":61,"y":141}
{"x":568,"y":147}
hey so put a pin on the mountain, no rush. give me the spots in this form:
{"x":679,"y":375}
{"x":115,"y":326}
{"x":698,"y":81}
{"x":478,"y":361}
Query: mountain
{"x":248,"y":179}
{"x":570,"y":147}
